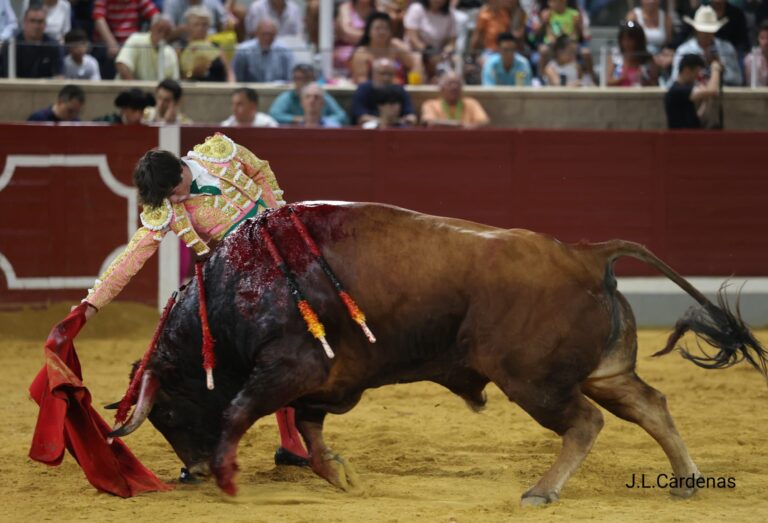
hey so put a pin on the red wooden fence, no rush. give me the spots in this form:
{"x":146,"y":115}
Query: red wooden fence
{"x":695,"y":198}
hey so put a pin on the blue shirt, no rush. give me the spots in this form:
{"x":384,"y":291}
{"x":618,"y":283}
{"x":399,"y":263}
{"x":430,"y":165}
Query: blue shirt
{"x":253,"y":64}
{"x":362,"y":102}
{"x":287,"y":106}
{"x":46,"y":115}
{"x":495,"y":74}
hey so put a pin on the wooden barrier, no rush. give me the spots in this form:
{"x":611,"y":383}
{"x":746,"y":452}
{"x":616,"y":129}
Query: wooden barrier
{"x":696,"y":199}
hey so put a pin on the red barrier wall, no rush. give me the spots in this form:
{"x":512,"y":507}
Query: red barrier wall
{"x":64,"y":221}
{"x":696,"y":199}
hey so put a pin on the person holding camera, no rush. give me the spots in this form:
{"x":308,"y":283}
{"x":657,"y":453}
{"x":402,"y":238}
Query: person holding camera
{"x":688,"y":105}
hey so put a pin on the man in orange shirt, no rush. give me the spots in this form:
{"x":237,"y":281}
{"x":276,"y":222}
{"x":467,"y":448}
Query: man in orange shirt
{"x":451,"y":109}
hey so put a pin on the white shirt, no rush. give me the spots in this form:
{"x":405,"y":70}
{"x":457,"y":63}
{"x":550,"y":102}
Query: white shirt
{"x":200,"y":174}
{"x":88,"y":70}
{"x":260,"y":120}
{"x":290,"y":23}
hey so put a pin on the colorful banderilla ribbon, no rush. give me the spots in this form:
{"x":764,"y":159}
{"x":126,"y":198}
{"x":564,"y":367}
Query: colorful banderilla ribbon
{"x":209,"y":357}
{"x":133,"y":389}
{"x":354,"y":311}
{"x":310,"y":317}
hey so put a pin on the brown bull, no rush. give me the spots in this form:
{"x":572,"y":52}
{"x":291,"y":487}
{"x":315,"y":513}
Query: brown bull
{"x":453,"y":302}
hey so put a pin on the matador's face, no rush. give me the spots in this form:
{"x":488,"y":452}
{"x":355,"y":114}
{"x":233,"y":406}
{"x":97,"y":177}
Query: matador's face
{"x":181,"y":191}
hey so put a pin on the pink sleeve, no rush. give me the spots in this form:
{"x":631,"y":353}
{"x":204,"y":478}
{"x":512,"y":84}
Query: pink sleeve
{"x":141,"y":247}
{"x":413,"y":16}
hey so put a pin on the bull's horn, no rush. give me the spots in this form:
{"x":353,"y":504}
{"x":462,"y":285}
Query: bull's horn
{"x":149,"y":386}
{"x":112,"y":406}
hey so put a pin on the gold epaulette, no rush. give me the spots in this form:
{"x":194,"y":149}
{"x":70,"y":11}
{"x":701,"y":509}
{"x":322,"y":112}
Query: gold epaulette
{"x":158,"y":218}
{"x":182,"y":226}
{"x":217,"y":149}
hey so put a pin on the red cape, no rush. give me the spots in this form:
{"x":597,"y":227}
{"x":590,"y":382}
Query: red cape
{"x":67,"y":420}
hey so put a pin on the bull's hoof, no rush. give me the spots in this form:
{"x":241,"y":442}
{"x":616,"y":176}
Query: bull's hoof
{"x":286,"y":457}
{"x":225,"y":477}
{"x":534,"y":500}
{"x":338,"y":472}
{"x":686,"y":491}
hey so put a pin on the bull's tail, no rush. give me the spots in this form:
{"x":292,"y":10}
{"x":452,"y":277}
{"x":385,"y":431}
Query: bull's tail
{"x":718,"y":325}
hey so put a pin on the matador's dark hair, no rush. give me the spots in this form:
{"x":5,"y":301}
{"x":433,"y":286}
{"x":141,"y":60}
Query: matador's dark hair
{"x":156,"y":174}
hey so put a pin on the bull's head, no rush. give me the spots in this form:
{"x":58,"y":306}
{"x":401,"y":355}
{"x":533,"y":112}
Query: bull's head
{"x":186,"y":414}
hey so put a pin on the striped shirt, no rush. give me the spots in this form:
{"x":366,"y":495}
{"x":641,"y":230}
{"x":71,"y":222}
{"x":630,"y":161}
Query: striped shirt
{"x":122,"y":16}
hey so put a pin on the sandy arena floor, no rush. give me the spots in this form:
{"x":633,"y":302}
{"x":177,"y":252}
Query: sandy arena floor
{"x":422,"y":455}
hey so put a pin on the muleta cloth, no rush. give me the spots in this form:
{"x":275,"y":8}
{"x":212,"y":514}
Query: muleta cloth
{"x":67,"y":420}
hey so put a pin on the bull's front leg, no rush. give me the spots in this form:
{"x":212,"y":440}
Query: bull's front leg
{"x":326,"y":463}
{"x":265,"y":391}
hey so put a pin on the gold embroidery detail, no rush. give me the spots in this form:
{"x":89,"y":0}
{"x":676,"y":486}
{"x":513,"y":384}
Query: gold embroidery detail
{"x":128,"y":251}
{"x":184,"y":230}
{"x":217,"y":148}
{"x":157,"y":218}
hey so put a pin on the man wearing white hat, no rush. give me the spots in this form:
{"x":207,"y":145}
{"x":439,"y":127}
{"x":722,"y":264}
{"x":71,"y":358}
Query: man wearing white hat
{"x":704,"y":44}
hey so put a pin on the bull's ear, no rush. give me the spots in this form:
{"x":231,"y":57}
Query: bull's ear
{"x":112,"y":406}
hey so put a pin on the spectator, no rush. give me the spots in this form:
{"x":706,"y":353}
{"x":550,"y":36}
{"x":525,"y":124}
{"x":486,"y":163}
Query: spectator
{"x":758,"y":59}
{"x":350,"y":22}
{"x":312,"y":101}
{"x":115,"y":21}
{"x":561,"y":20}
{"x":285,"y":14}
{"x":389,"y":100}
{"x":167,"y":108}
{"x":494,"y":18}
{"x":705,"y":44}
{"x":430,"y":30}
{"x":396,"y":11}
{"x":139,"y":60}
{"x":507,"y":67}
{"x":377,"y":42}
{"x":37,"y":55}
{"x":245,"y":110}
{"x":564,"y":70}
{"x":452,"y":109}
{"x":734,"y":29}
{"x":8,"y":23}
{"x":632,"y":65}
{"x":131,"y":105}
{"x":364,"y":106}
{"x":58,"y":16}
{"x":177,"y":10}
{"x":201,"y":59}
{"x":680,"y":102}
{"x":287,"y":106}
{"x":67,"y":107}
{"x":655,"y":23}
{"x":260,"y":59}
{"x":78,"y":64}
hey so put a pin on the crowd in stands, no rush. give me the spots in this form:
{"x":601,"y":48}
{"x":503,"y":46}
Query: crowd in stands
{"x":380,"y":45}
{"x":491,"y":42}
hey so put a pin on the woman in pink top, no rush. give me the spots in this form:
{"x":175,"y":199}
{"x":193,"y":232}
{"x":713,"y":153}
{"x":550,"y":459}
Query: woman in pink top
{"x":378,"y":42}
{"x":633,"y":65}
{"x":350,"y":23}
{"x":430,"y":29}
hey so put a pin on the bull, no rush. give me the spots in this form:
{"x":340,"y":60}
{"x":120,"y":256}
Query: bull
{"x":453,"y":302}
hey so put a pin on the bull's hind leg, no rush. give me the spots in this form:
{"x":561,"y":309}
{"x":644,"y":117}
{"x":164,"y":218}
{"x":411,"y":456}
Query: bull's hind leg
{"x":576,"y":420}
{"x":327,"y":464}
{"x":631,"y":399}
